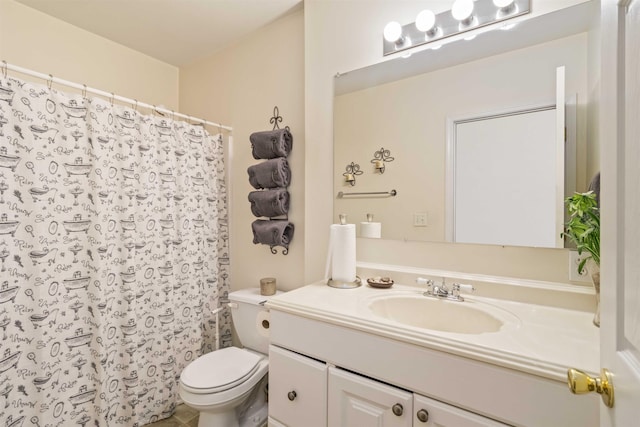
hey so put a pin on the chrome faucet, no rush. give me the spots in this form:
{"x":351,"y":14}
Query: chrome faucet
{"x":442,"y":291}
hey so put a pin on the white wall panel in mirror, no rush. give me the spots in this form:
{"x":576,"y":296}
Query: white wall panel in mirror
{"x":504,"y":180}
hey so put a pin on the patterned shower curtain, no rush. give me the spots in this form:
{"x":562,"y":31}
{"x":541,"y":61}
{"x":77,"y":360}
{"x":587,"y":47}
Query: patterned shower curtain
{"x":113,"y":250}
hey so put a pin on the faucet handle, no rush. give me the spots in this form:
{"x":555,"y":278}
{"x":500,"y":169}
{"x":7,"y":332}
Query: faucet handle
{"x":424,"y":281}
{"x":456,"y":288}
{"x":428,"y":283}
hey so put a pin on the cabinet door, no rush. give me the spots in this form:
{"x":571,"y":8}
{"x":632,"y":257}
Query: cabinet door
{"x":297,"y":389}
{"x":358,"y":401}
{"x":432,"y":413}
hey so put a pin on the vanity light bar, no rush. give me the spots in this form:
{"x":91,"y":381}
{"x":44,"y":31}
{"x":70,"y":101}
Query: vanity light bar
{"x":485,"y":12}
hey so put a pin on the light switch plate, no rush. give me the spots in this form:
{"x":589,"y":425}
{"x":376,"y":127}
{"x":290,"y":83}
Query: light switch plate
{"x":420,"y":219}
{"x":574,"y":260}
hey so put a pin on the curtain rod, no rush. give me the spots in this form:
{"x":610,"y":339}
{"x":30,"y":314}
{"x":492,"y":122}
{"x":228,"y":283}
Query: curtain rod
{"x":49,"y":78}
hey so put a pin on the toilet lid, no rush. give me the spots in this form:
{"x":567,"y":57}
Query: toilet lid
{"x":220,"y":370}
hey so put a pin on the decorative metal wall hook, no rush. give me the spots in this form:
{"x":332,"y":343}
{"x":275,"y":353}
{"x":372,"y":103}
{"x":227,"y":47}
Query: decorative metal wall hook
{"x":277,"y":118}
{"x":285,"y":250}
{"x":381,"y":157}
{"x":352,"y":170}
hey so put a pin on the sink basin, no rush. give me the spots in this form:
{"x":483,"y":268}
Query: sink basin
{"x":419,"y":311}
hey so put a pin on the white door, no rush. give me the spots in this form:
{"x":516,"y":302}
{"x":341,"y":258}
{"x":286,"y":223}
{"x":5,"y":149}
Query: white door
{"x":620,"y":208}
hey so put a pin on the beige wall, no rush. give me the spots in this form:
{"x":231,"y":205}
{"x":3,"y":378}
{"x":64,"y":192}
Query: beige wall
{"x":409,"y":118}
{"x":342,"y":35}
{"x":240,"y":86}
{"x":34,"y":40}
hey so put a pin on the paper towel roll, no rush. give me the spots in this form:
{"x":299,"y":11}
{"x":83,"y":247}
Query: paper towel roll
{"x":343,"y":253}
{"x":262,"y":323}
{"x":371,"y":229}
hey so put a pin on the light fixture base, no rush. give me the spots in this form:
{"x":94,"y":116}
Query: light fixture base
{"x":485,"y":12}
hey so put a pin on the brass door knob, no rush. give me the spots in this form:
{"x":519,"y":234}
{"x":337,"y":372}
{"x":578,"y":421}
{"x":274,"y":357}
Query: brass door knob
{"x":581,"y":383}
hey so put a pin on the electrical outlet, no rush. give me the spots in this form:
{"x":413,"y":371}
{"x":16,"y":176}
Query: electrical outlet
{"x":574,"y":261}
{"x":420,"y":219}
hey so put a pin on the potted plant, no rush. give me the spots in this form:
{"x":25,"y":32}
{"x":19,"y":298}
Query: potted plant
{"x":583,"y":229}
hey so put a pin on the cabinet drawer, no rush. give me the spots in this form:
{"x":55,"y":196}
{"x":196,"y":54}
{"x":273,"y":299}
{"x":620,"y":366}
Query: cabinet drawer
{"x":440,"y":414}
{"x":359,"y":401}
{"x":297,"y":389}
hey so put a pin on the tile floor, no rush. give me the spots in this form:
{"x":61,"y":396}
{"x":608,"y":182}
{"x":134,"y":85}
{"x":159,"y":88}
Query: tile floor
{"x":183,"y":417}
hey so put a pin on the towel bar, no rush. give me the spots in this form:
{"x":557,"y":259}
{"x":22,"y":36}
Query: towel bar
{"x":391,"y":193}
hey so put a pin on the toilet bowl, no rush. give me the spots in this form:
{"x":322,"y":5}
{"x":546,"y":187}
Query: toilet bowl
{"x":219,"y":383}
{"x":228,"y":386}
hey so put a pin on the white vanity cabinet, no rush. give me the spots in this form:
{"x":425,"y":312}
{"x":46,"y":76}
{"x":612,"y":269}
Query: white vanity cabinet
{"x":349,"y":375}
{"x":304,"y":392}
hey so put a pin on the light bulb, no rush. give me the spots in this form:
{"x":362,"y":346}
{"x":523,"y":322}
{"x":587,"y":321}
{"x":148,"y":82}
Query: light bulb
{"x":425,"y":20}
{"x":462,"y":9}
{"x":502,"y":3}
{"x":392,"y":31}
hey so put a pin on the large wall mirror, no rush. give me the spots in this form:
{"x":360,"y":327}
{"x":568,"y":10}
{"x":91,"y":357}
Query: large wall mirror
{"x":407,"y":106}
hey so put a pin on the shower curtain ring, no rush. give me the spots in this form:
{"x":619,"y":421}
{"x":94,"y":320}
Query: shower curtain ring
{"x":50,"y":81}
{"x":135,"y":107}
{"x":111,"y":99}
{"x":84,"y":91}
{"x":4,"y":68}
{"x":173,"y":115}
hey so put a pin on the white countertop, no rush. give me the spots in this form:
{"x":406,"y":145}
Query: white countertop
{"x":543,"y":341}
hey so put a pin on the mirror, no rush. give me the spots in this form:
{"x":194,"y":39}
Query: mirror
{"x":405,"y":107}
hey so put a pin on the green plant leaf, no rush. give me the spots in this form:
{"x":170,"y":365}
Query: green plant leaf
{"x":583,"y":225}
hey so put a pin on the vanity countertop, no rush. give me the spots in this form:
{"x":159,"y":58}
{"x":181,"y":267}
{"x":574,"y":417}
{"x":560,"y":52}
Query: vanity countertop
{"x":544,"y":341}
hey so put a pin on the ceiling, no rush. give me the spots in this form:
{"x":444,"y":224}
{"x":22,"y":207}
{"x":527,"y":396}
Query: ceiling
{"x":174,"y":31}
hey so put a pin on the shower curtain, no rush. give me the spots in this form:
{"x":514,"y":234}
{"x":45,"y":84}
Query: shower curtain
{"x":113,"y":250}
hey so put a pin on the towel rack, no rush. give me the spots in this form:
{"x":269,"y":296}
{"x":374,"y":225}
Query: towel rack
{"x":275,"y":120}
{"x":391,"y":193}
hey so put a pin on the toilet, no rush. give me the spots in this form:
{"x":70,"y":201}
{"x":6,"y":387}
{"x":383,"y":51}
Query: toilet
{"x":228,"y":386}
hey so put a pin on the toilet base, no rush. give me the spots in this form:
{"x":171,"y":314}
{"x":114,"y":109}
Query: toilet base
{"x":256,"y":418}
{"x":253,"y":412}
{"x":223,"y":419}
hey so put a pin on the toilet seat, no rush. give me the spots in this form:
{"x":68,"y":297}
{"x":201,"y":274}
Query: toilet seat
{"x":220,"y":370}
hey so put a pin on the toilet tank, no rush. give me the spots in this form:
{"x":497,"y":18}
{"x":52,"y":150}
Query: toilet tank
{"x":250,"y":318}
